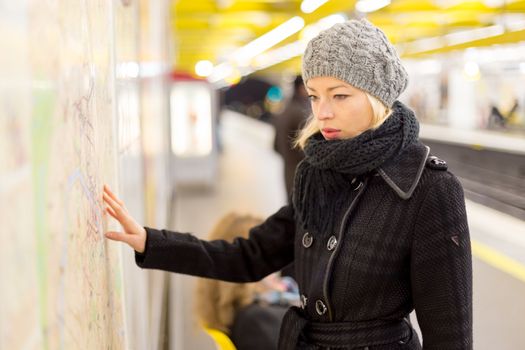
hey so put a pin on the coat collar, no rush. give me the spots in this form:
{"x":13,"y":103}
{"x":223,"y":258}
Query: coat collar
{"x":403,"y":172}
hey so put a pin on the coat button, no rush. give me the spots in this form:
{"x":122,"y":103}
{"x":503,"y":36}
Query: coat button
{"x":332,"y":242}
{"x":355,"y":184}
{"x":320,"y":307}
{"x":303,"y":299}
{"x":307,"y":240}
{"x":437,"y":161}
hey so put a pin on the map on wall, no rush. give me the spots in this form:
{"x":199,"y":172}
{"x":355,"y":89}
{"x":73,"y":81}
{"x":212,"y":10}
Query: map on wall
{"x":61,"y":280}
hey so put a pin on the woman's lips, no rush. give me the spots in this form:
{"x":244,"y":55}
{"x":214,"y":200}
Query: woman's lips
{"x":330,"y":133}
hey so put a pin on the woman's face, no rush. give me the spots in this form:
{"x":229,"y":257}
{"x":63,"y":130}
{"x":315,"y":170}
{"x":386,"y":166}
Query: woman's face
{"x":341,"y":110}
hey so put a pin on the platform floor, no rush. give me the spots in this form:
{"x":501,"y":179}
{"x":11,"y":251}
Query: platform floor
{"x":250,"y":181}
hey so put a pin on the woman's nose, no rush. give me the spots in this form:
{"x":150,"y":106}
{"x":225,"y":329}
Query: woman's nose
{"x":324,"y":111}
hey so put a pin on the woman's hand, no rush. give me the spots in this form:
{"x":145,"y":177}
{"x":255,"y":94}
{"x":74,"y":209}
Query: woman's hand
{"x":134,"y":234}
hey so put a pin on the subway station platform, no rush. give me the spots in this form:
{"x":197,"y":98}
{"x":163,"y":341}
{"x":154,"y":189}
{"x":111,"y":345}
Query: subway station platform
{"x":250,"y":181}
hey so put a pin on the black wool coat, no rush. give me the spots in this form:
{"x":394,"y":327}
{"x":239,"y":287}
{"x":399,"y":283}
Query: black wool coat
{"x":403,"y":244}
{"x":256,"y":327}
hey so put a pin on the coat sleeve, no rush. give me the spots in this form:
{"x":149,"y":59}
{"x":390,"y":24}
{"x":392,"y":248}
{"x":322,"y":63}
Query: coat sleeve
{"x":268,"y":249}
{"x":441,"y":268}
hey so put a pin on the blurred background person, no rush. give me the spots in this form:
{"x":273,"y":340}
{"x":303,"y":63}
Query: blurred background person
{"x":287,"y":123}
{"x":249,"y":313}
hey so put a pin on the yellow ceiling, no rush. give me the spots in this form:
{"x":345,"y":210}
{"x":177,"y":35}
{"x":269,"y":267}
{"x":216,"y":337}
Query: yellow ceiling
{"x":212,"y":29}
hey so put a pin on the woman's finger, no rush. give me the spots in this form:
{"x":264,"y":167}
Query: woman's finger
{"x":111,"y":212}
{"x":114,"y":205}
{"x":112,"y":195}
{"x":117,"y":236}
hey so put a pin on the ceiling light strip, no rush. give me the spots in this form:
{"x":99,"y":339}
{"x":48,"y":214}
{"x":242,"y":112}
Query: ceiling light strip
{"x":309,"y":6}
{"x":452,"y":39}
{"x":366,"y":6}
{"x":243,"y":55}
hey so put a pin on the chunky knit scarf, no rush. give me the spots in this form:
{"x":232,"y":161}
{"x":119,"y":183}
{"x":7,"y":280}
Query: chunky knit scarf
{"x":323,"y":180}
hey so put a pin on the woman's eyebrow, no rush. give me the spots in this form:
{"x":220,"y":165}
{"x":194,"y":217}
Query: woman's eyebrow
{"x":329,"y":89}
{"x":335,"y":87}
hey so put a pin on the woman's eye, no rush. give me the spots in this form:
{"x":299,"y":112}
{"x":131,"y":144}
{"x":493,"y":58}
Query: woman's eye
{"x":312,"y":97}
{"x":340,"y":97}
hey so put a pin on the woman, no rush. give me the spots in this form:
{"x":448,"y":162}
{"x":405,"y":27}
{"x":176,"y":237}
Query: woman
{"x":249,"y":313}
{"x":377,"y":227}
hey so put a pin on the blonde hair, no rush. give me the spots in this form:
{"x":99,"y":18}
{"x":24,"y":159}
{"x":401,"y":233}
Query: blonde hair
{"x":217,"y":302}
{"x":380,"y":111}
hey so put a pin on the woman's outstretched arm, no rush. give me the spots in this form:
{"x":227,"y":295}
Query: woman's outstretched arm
{"x":269,"y":247}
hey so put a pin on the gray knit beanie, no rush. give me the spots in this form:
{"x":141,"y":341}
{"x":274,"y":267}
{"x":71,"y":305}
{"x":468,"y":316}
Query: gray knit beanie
{"x":359,"y":54}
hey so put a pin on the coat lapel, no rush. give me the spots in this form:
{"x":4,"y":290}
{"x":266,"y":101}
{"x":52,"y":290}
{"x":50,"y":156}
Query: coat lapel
{"x":403,"y":172}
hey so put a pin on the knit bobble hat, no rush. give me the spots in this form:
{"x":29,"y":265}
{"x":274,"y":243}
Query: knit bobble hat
{"x":359,"y":54}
